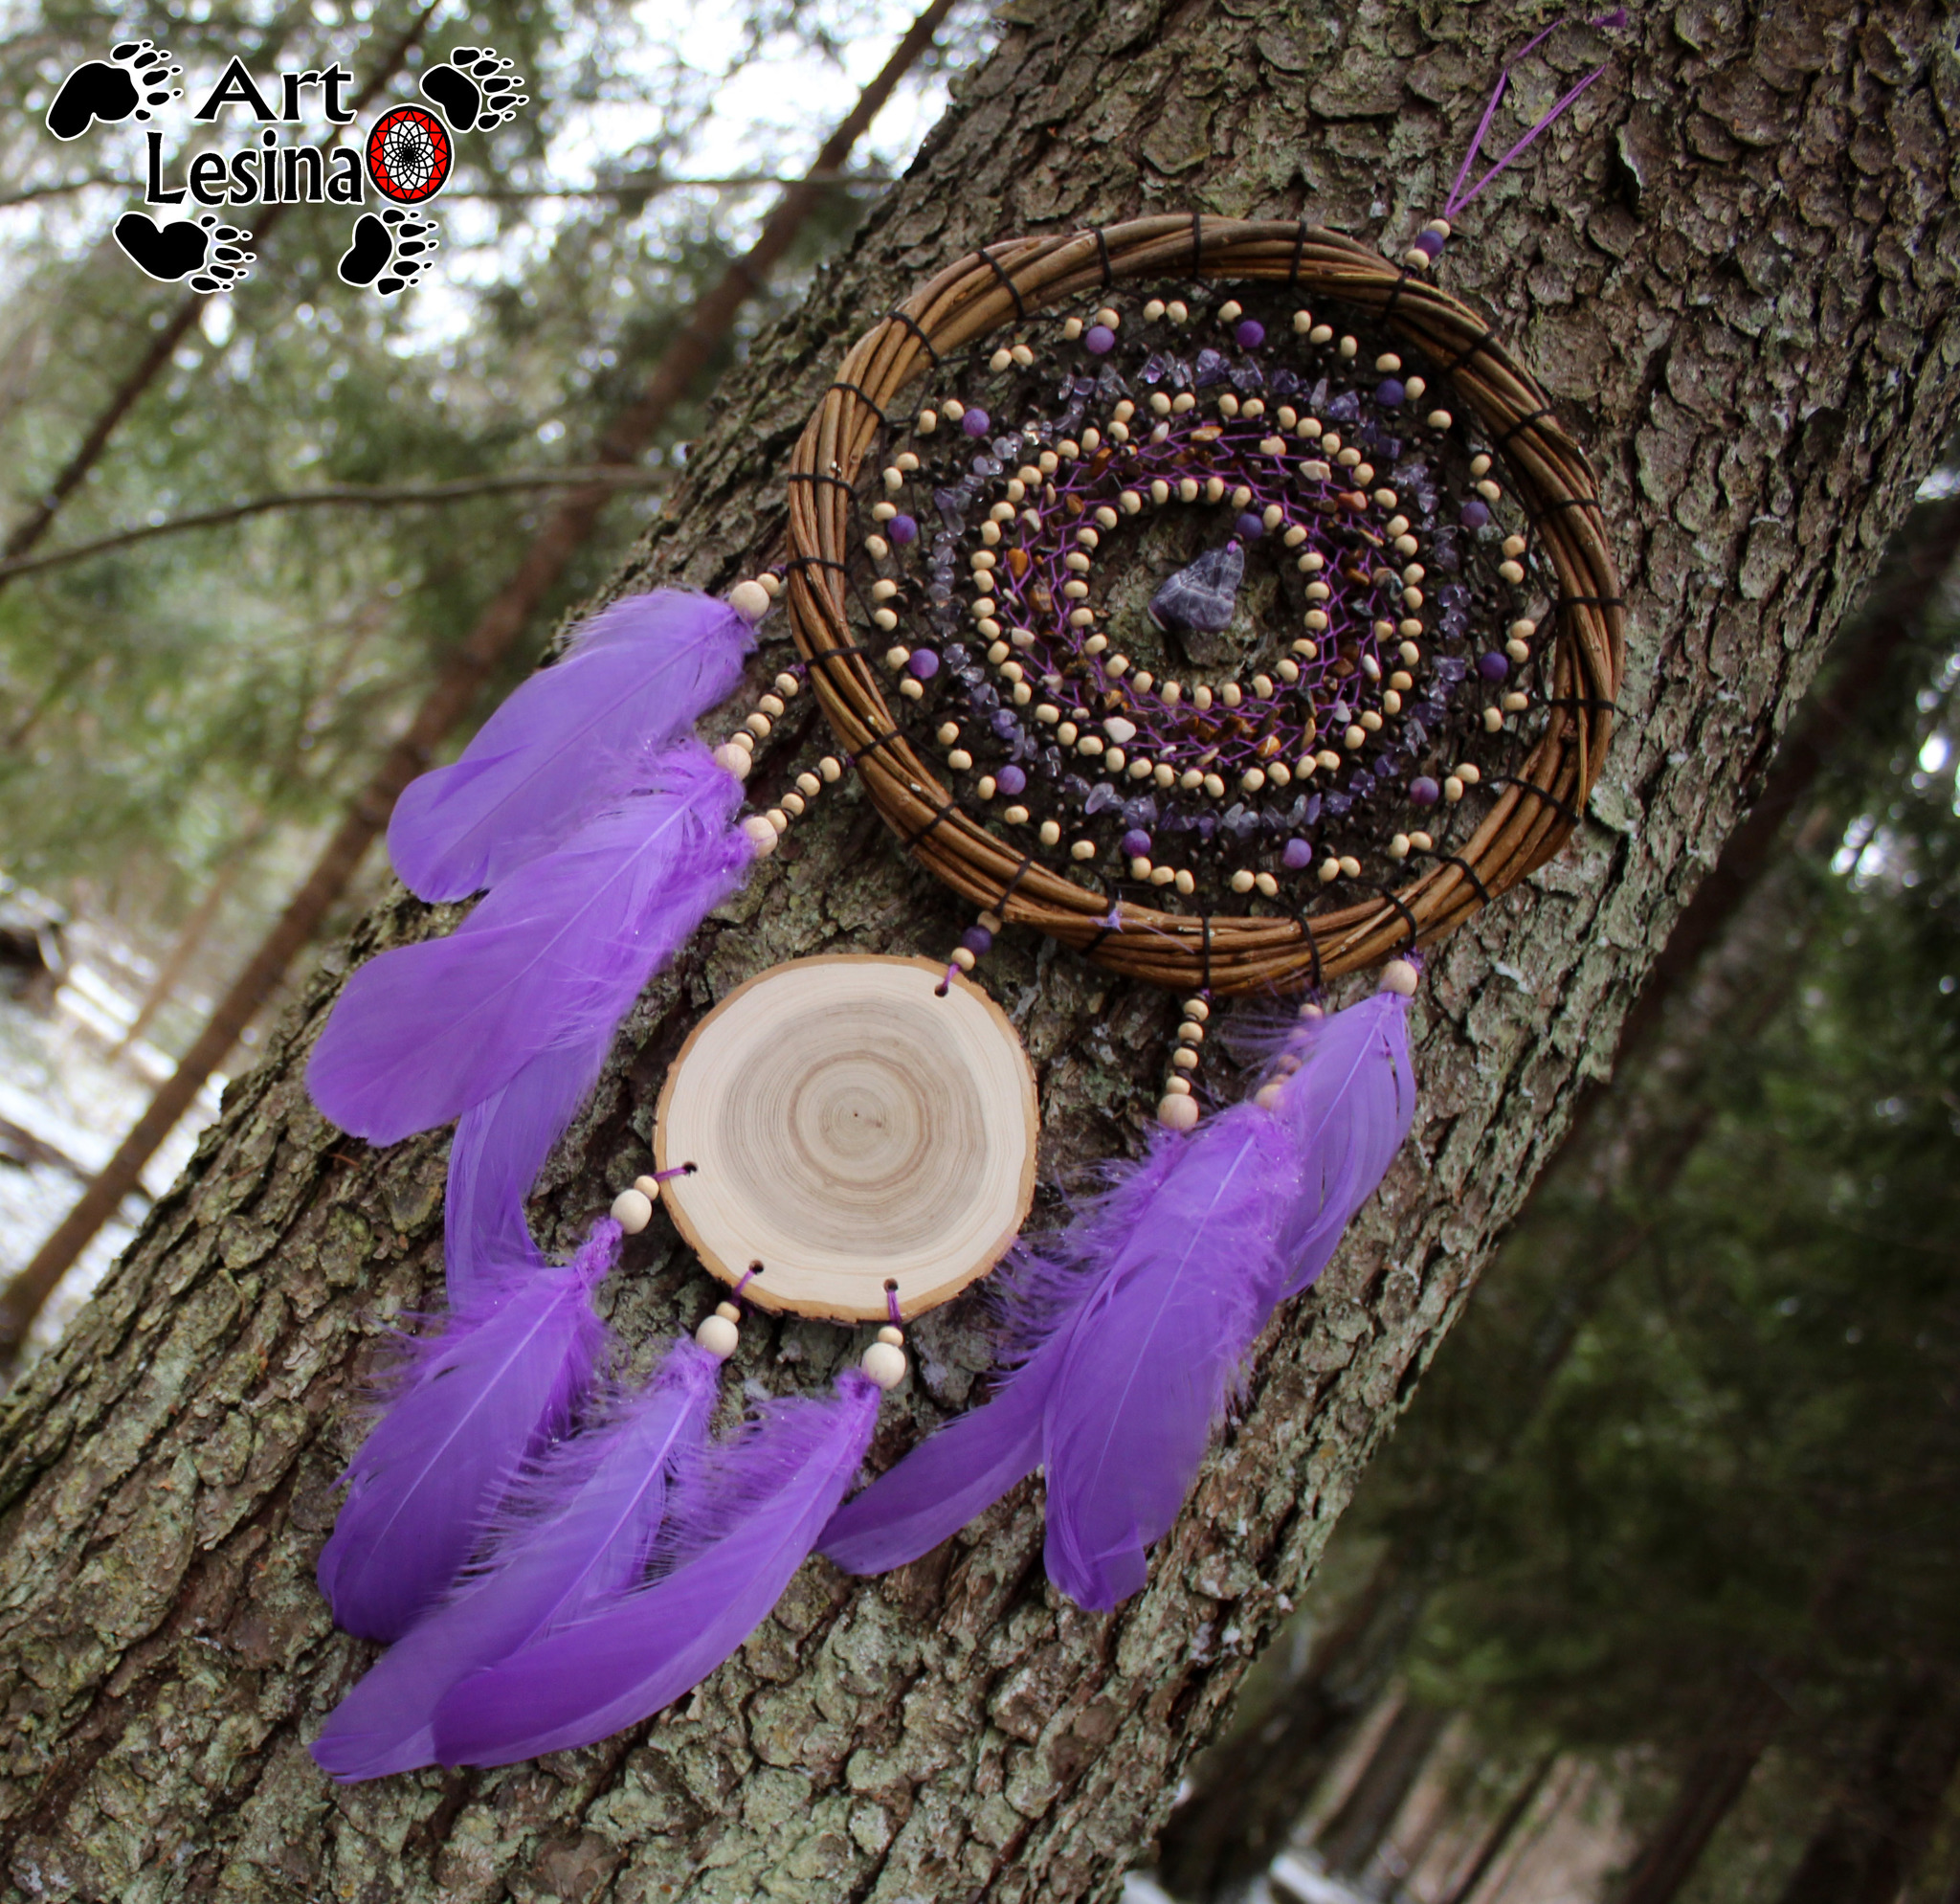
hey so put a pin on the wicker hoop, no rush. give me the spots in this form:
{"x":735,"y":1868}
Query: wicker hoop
{"x":1529,"y":818}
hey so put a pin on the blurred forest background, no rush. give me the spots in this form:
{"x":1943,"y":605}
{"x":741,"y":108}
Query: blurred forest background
{"x":1650,"y":1597}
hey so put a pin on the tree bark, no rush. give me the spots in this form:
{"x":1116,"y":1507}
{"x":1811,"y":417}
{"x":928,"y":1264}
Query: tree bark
{"x":1734,"y":261}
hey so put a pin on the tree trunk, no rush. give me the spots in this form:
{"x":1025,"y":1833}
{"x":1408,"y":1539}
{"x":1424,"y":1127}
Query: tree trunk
{"x":1735,"y":261}
{"x":1504,"y":1827}
{"x":1252,"y":1789}
{"x":1710,"y":1783}
{"x":1348,"y":1841}
{"x":1872,"y":1838}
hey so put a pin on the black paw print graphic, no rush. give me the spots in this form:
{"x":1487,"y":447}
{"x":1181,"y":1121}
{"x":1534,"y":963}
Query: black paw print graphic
{"x":135,"y":77}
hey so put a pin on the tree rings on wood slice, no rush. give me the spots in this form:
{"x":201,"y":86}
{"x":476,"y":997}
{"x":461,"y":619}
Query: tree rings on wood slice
{"x":851,"y":1135}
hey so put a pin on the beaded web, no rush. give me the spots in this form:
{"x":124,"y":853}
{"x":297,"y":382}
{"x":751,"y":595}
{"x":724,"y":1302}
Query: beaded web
{"x":1209,"y":599}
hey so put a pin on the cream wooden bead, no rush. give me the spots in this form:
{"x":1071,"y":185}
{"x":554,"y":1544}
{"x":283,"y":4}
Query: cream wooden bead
{"x":750,"y":600}
{"x":1267,"y":1096}
{"x":735,"y":760}
{"x":648,"y":1187}
{"x":884,"y":1362}
{"x":718,"y":1336}
{"x":1399,"y":976}
{"x":1178,"y":1113}
{"x":896,"y":1336}
{"x":633,"y":1210}
{"x":761,"y":835}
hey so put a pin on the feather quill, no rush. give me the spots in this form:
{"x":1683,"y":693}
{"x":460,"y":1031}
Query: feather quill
{"x":578,"y":1531}
{"x":743,"y":1525}
{"x":570,"y":741}
{"x":553,"y":957}
{"x":470,"y":1406}
{"x":1135,"y":1325}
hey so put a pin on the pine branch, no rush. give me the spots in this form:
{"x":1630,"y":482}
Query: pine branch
{"x":364,"y":495}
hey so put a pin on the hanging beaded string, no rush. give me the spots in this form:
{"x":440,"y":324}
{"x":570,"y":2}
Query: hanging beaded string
{"x":752,"y":599}
{"x":1178,"y":1109}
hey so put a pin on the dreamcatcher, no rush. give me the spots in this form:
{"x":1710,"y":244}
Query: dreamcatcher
{"x":1360,"y":684}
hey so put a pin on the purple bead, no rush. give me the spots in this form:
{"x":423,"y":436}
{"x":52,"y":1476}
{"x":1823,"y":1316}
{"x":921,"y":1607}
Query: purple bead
{"x":1388,"y":393}
{"x":1424,"y":791}
{"x":1430,"y":243}
{"x":1296,"y":855}
{"x":1251,"y":334}
{"x":1493,"y":666}
{"x":1474,"y":514}
{"x":1010,"y":780}
{"x":923,"y":665}
{"x":1099,"y":339}
{"x":901,"y":529}
{"x":977,"y":940}
{"x":1136,"y":843}
{"x":1250,"y":526}
{"x":976,"y":422}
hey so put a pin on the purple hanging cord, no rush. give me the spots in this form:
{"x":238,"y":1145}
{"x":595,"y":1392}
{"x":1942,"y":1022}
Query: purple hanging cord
{"x":1459,"y":199}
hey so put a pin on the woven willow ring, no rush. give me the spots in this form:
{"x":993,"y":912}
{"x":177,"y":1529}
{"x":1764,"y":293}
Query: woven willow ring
{"x":1257,"y":775}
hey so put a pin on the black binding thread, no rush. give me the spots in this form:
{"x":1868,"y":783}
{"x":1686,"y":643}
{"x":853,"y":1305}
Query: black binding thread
{"x":911,"y":323}
{"x":1014,"y":290}
{"x":908,"y":841}
{"x":1559,"y":504}
{"x":883,"y":739}
{"x":1591,"y":703}
{"x":1394,"y":899}
{"x":1007,"y":891}
{"x":863,"y":396}
{"x":1395,"y":292}
{"x":1469,"y":872}
{"x":1487,"y":343}
{"x":1544,"y":794}
{"x":1522,"y":424}
{"x":1315,"y":979}
{"x":1299,"y":253}
{"x":1197,"y":245}
{"x":817,"y":562}
{"x":848,"y":651}
{"x":1592,"y":601}
{"x":821,"y":476}
{"x":1205,"y":929}
{"x":1102,"y":253}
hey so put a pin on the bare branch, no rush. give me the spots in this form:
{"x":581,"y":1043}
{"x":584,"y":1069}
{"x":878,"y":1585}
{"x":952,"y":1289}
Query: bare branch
{"x":367,"y":494}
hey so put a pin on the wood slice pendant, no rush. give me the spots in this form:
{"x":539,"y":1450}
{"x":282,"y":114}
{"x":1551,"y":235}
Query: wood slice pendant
{"x":850,"y":1135}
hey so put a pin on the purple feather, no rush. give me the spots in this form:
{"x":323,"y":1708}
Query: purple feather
{"x":1155,"y":1353}
{"x":746,"y":1523}
{"x":570,"y":741}
{"x":578,"y":1532}
{"x":552,"y":959}
{"x":1349,"y":1108}
{"x":1136,"y":1325}
{"x":955,"y":1473}
{"x":471,"y":1406}
{"x":500,"y":1147}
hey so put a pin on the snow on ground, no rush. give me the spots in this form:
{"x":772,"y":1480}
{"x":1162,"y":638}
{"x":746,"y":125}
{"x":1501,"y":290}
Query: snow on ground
{"x":60,"y":1084}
